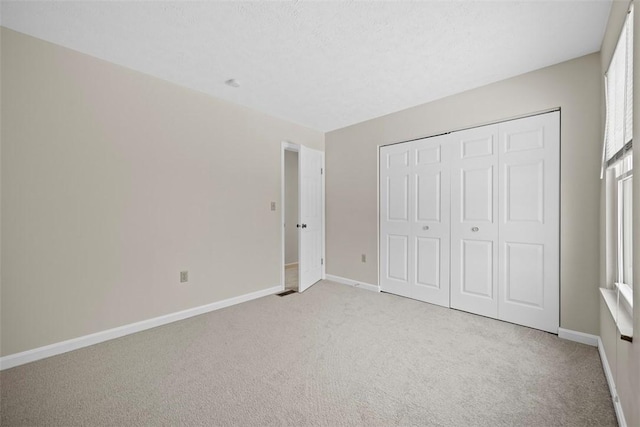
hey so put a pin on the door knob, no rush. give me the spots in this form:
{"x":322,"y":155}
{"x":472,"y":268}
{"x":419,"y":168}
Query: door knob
{"x":301,"y":226}
{"x":304,"y":225}
{"x":425,"y":228}
{"x":474,"y":229}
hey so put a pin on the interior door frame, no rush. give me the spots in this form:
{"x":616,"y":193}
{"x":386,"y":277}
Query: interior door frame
{"x":290,"y":146}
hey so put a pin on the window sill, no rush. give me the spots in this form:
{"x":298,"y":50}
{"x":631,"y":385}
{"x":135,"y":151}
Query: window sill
{"x":622,"y":318}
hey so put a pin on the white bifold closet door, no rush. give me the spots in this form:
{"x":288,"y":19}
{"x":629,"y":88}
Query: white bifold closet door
{"x":529,"y":236}
{"x":474,"y":220}
{"x":470,"y":220}
{"x":414,"y":213}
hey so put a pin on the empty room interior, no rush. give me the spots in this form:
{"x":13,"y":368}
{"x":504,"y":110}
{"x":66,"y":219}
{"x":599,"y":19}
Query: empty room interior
{"x":319,"y":213}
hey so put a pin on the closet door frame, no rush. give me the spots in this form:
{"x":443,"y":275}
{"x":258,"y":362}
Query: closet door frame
{"x":501,"y":304}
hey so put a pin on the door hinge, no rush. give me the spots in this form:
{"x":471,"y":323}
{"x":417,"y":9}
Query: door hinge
{"x":321,"y":261}
{"x":321,"y":171}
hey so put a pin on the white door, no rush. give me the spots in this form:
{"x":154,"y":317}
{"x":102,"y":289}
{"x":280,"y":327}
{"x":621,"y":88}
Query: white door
{"x":430,"y":234}
{"x":414,"y":220}
{"x":529,"y":152}
{"x":310,"y":188}
{"x":474,"y":220}
{"x":395,"y":228}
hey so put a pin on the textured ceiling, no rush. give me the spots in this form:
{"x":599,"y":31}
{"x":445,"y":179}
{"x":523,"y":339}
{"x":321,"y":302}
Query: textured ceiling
{"x":325,"y":65}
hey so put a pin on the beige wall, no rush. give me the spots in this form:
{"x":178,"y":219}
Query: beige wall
{"x":113,"y":182}
{"x":291,"y":206}
{"x":575,"y":86}
{"x":623,"y":357}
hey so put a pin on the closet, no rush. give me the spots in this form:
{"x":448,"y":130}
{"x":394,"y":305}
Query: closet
{"x":470,"y":220}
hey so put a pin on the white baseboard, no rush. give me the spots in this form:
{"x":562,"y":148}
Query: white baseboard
{"x":580,"y":337}
{"x":612,"y":385}
{"x":353,"y":283}
{"x":17,"y":359}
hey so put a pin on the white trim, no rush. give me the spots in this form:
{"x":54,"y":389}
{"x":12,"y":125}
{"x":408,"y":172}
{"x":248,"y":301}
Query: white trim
{"x":284,"y":146}
{"x":622,"y":318}
{"x":626,"y":295}
{"x":479,"y":125}
{"x":17,"y":359}
{"x":612,"y":385}
{"x":580,"y":337}
{"x":324,"y":219}
{"x":378,"y":213}
{"x":354,"y":283}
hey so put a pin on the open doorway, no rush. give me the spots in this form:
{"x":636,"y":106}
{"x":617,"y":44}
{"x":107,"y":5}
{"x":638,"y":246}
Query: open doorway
{"x":302,"y":201}
{"x":291,"y":220}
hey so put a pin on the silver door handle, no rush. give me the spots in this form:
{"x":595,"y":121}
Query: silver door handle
{"x":474,"y":229}
{"x":425,"y":228}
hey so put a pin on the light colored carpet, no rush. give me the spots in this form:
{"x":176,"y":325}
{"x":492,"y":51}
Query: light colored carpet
{"x":333,"y":355}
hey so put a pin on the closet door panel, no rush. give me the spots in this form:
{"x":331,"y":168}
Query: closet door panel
{"x":398,"y":198}
{"x":474,"y":225}
{"x":414,"y":220}
{"x":430,"y":220}
{"x":529,"y":152}
{"x":476,"y":268}
{"x":428,"y":269}
{"x":476,"y":198}
{"x":523,"y":274}
{"x":398,"y":257}
{"x":429,"y":196}
{"x":523,"y":185}
{"x":395,"y":228}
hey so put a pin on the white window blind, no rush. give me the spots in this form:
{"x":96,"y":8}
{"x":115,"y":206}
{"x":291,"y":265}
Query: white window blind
{"x":619,"y":96}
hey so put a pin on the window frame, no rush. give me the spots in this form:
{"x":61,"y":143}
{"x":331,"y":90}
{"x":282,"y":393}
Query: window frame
{"x":617,"y":162}
{"x":625,"y":289}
